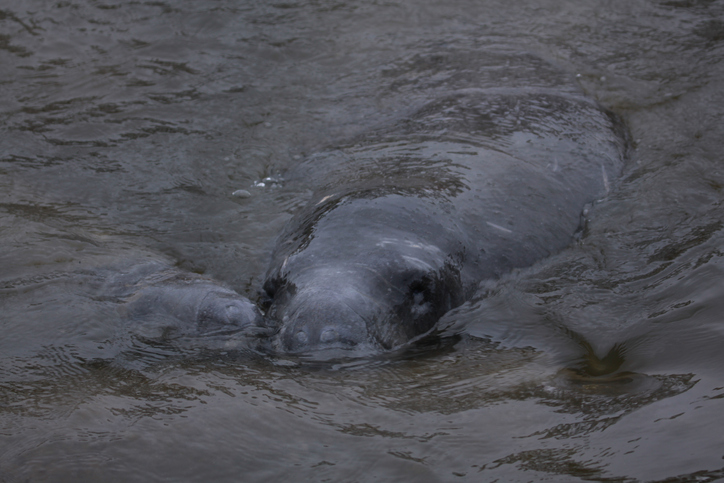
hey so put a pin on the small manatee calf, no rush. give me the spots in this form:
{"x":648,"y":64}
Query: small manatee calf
{"x":167,"y":303}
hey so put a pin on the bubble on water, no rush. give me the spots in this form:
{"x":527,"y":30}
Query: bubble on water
{"x":241,"y":194}
{"x":268,"y":182}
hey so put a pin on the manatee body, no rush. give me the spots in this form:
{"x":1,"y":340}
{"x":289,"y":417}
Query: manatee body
{"x":406,"y":221}
{"x":167,"y":303}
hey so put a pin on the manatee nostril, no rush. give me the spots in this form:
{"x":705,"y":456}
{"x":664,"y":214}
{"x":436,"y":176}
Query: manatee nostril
{"x":313,"y":324}
{"x":329,"y":335}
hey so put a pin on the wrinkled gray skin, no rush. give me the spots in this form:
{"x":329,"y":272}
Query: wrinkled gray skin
{"x":175,"y":304}
{"x":409,"y":219}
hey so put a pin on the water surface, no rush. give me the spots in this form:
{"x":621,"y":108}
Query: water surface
{"x":128,"y":126}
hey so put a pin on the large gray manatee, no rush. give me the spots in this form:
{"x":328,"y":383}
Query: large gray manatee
{"x":407,"y":220}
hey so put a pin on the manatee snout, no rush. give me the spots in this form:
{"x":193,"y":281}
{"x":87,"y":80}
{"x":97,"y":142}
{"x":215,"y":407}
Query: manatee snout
{"x":226,"y":312}
{"x":325,"y":325}
{"x":364,"y":310}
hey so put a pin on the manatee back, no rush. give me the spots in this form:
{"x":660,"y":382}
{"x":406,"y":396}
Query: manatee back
{"x":508,"y":169}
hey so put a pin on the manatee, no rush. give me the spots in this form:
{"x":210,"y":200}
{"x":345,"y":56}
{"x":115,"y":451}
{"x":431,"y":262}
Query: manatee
{"x":407,"y":220}
{"x":168,"y":303}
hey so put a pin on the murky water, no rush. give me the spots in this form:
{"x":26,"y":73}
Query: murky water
{"x":128,"y":126}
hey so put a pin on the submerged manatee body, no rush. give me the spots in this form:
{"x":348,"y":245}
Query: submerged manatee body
{"x":166,"y":303}
{"x":407,"y":220}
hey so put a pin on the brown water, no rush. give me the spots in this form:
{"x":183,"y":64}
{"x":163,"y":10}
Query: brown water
{"x":127,"y":126}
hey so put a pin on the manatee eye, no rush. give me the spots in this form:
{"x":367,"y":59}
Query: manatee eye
{"x":420,"y":286}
